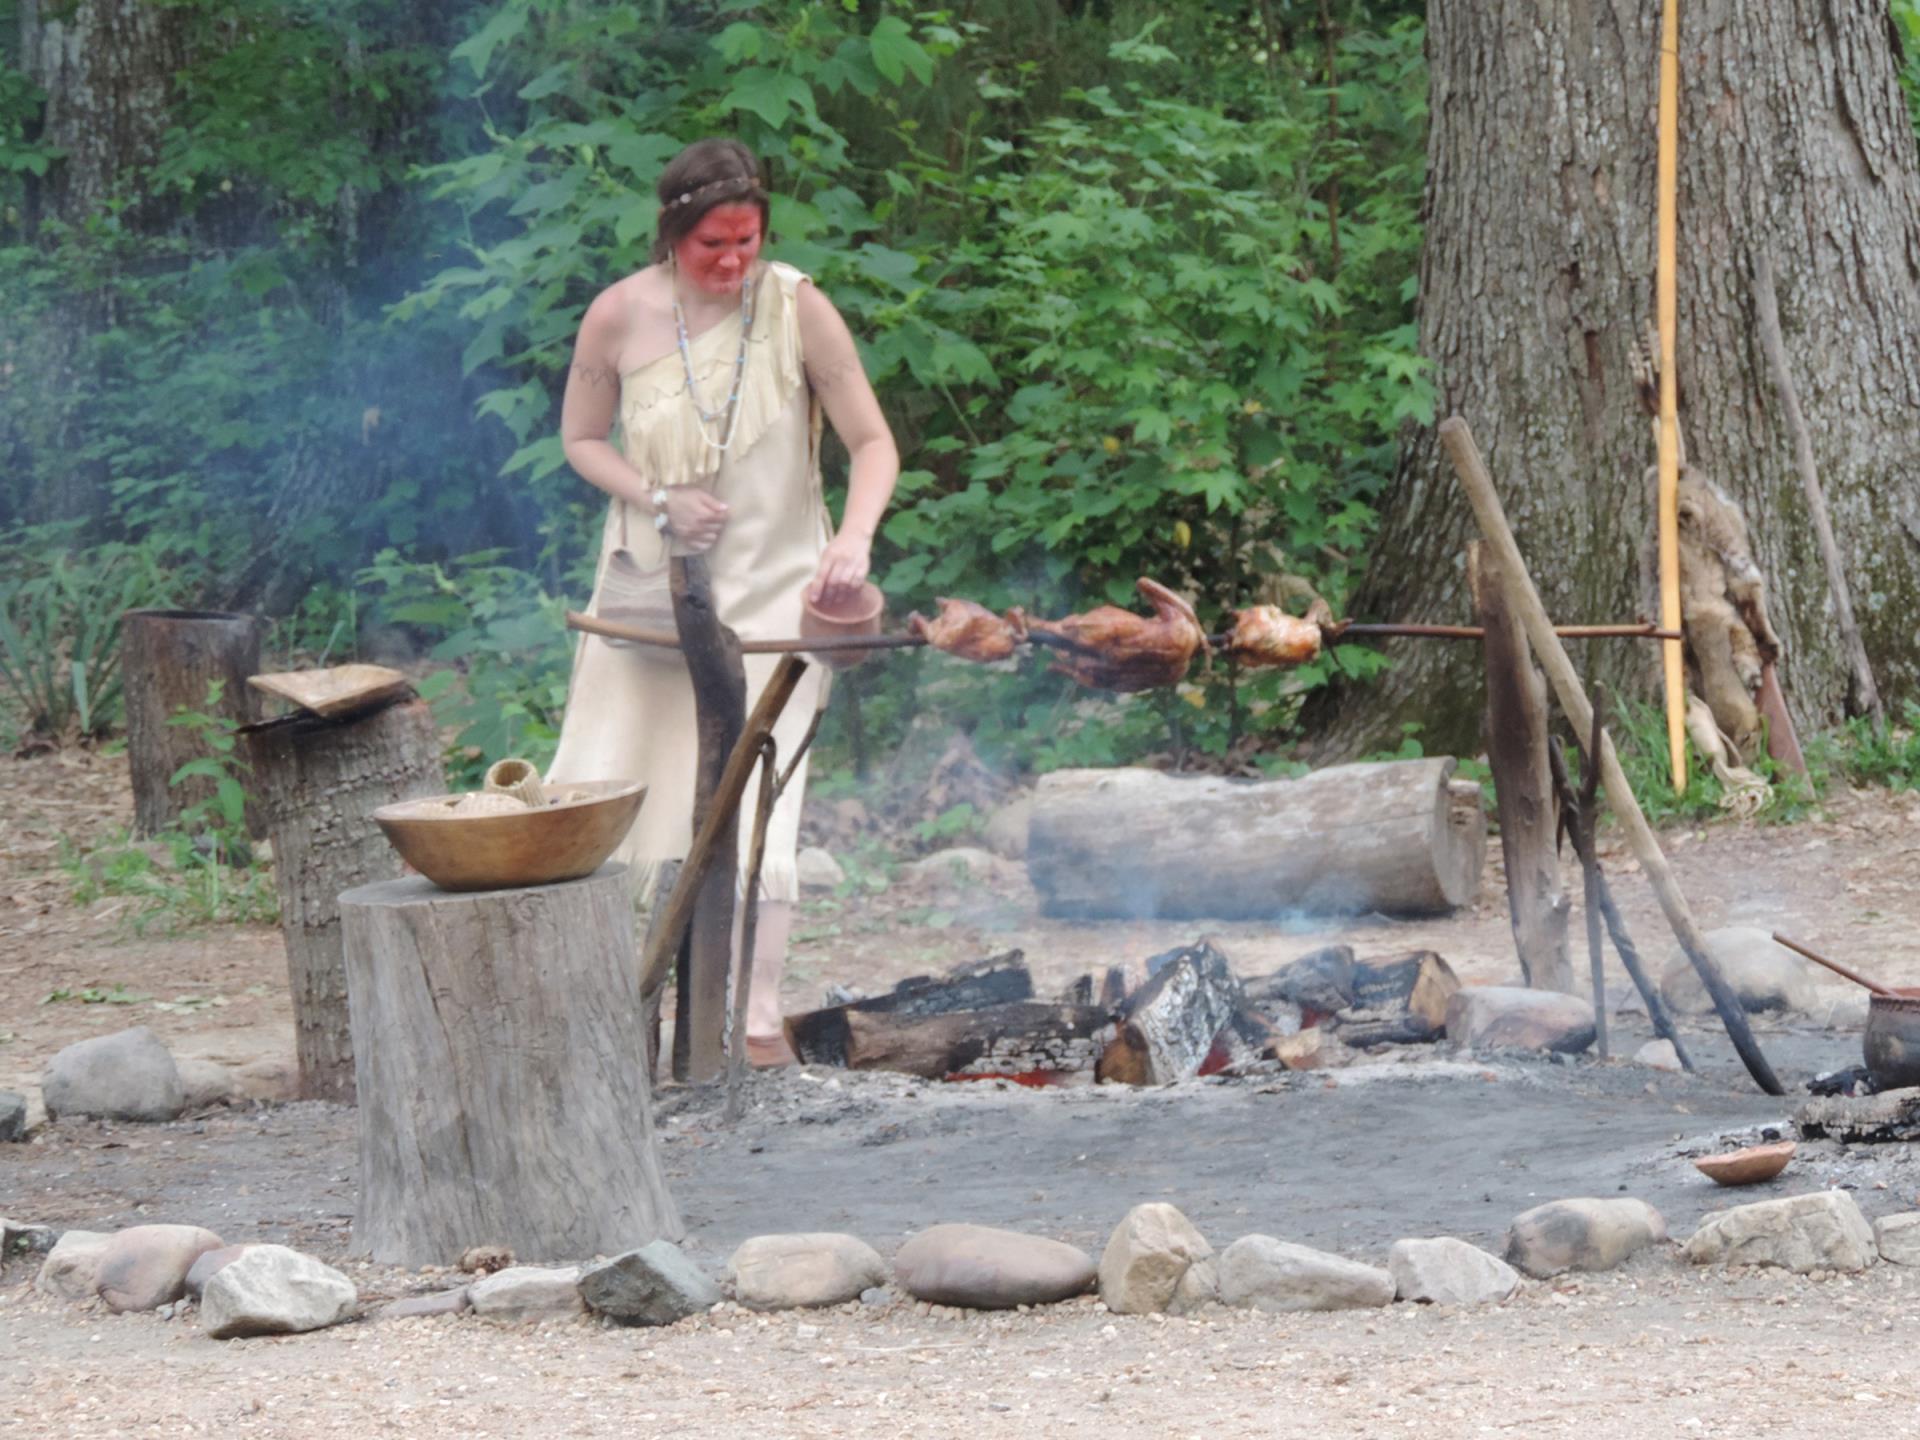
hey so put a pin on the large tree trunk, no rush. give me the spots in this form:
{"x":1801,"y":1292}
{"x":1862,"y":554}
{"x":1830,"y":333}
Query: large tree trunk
{"x":1537,"y":281}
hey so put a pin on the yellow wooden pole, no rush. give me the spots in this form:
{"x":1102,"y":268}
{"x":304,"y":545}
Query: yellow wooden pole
{"x":1667,"y":311}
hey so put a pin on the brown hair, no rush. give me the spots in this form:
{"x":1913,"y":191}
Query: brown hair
{"x":705,"y":174}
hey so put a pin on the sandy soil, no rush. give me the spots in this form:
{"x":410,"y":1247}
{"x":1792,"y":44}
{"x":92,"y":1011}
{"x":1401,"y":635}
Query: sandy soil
{"x":1347,"y":1161}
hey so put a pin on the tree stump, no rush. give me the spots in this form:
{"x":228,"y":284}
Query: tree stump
{"x":499,"y":1058}
{"x":1136,"y":844}
{"x":317,"y":783}
{"x":168,"y":658}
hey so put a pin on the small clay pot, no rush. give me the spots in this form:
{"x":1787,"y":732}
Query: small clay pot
{"x":860,"y":615}
{"x":1891,"y":1045}
{"x":1746,"y":1167}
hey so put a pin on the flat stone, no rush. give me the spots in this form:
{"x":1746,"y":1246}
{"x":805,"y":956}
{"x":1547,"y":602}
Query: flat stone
{"x":1822,"y":1231}
{"x":205,"y":1083}
{"x":272,"y":1290}
{"x":818,"y":870}
{"x":1762,"y":972}
{"x":1581,"y":1235}
{"x":13,"y":1116}
{"x":1508,"y":1017}
{"x":72,"y":1268}
{"x":1446,"y":1271}
{"x":1258,"y":1272}
{"x":146,"y":1266}
{"x":983,"y":1268}
{"x":272,"y":1080}
{"x":528,"y":1292}
{"x":654,"y":1285}
{"x":211,"y":1264}
{"x":125,"y":1076}
{"x":1006,"y":830}
{"x":789,"y":1272}
{"x":1898,"y":1238}
{"x":1659,"y":1054}
{"x":444,"y":1302}
{"x":1147,"y":1256}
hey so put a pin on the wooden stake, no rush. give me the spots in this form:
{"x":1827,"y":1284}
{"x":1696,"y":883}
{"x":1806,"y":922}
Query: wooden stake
{"x":1666,"y":307}
{"x":1457,"y":440}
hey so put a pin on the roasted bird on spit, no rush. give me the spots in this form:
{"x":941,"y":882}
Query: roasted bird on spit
{"x":1113,"y":649}
{"x":1267,"y":635}
{"x":968,"y":630}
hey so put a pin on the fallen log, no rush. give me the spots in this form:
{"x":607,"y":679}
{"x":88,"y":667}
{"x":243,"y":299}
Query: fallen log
{"x":1168,"y":1026}
{"x":821,"y":1037}
{"x":1318,"y":983}
{"x":1018,"y":1041}
{"x":1417,"y":985}
{"x":1139,"y":844}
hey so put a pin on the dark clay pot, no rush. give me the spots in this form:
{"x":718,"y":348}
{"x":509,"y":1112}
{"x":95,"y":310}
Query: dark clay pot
{"x":1892,"y":1043}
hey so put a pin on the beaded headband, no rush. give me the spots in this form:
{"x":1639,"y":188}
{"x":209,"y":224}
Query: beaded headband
{"x":687,"y":197}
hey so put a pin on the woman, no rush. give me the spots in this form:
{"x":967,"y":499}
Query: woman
{"x":715,"y":364}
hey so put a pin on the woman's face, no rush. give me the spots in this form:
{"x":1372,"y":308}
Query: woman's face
{"x":719,"y":251}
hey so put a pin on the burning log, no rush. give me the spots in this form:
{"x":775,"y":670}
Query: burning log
{"x":1025,"y":1041}
{"x":1169,"y":1025}
{"x":824,"y":1037}
{"x":1134,"y":843}
{"x":1113,"y":649}
{"x":1319,"y":983}
{"x":1417,"y":985}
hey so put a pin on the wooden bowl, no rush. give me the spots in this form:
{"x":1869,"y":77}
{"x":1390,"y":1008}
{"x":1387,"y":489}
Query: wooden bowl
{"x":1746,"y":1167}
{"x":571,"y":836}
{"x":858,"y":616}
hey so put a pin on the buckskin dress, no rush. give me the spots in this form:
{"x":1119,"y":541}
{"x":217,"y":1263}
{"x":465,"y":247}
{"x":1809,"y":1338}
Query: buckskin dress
{"x":630,"y":710}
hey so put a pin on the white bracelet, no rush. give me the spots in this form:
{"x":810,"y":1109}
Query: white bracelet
{"x":659,"y":502}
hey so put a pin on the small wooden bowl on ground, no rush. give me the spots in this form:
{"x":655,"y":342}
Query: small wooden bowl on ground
{"x":567,"y":838}
{"x":858,"y":616}
{"x":1746,"y":1167}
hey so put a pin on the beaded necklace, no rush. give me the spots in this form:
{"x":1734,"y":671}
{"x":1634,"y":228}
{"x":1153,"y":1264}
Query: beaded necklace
{"x":728,"y":415}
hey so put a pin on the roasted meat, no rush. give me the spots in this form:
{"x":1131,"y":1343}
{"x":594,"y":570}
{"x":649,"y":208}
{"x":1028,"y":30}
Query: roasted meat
{"x":1113,"y":649}
{"x":1267,"y":635}
{"x":968,"y":630}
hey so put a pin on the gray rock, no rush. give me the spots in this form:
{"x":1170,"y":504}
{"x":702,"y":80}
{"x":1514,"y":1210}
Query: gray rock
{"x":13,"y":1116}
{"x":1199,"y":1286}
{"x":17,"y":1237}
{"x":1839,"y":1011}
{"x":271,"y":1080}
{"x":204,"y":1083}
{"x":1898,"y":1238}
{"x":962,"y":866}
{"x":1261,"y":1273}
{"x":211,"y":1264}
{"x":786,"y":1272}
{"x":984,"y":1268}
{"x":1147,"y":1256}
{"x":1006,"y":832}
{"x":1446,"y":1271}
{"x":876,"y":1295}
{"x":654,"y":1285}
{"x":1659,"y":1054}
{"x":1581,"y":1235}
{"x":72,"y":1268}
{"x":528,"y":1292}
{"x":818,"y":870}
{"x":1507,"y":1017}
{"x":128,"y":1076}
{"x":146,"y":1266}
{"x":1762,"y":972}
{"x":1822,"y":1231}
{"x":445,"y":1302}
{"x":272,"y":1290}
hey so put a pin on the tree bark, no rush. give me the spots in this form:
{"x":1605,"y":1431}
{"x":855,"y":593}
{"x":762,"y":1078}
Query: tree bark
{"x":502,"y":1093}
{"x":1136,"y":844}
{"x":169,"y":658}
{"x":1536,"y":283}
{"x":318,"y":783}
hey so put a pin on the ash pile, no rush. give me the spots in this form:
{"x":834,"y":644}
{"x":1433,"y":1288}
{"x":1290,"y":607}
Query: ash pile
{"x":1191,"y":1016}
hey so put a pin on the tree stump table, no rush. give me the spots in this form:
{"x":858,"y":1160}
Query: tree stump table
{"x":500,"y":1069}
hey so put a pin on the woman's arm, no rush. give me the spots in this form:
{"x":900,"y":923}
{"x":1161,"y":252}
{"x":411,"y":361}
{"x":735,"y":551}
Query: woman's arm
{"x":835,"y":372}
{"x":586,"y":416}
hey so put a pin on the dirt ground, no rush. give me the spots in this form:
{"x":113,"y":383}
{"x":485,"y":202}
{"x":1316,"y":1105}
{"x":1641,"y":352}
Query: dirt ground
{"x":1348,"y":1161}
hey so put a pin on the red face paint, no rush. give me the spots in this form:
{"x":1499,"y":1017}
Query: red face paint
{"x":720,"y":250}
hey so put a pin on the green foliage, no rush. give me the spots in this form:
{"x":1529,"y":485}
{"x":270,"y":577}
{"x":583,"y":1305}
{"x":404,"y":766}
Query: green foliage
{"x":502,"y":641}
{"x":1891,"y":760}
{"x":1906,"y":24}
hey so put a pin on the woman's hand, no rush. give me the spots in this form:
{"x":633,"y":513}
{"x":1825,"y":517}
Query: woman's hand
{"x":694,"y":518}
{"x":842,"y":570}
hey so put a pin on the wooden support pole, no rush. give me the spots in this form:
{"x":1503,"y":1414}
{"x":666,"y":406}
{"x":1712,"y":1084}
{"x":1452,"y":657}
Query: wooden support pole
{"x":1517,"y":745}
{"x":1457,"y":440}
{"x":1666,"y":308}
{"x":712,"y":652}
{"x":750,"y":927}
